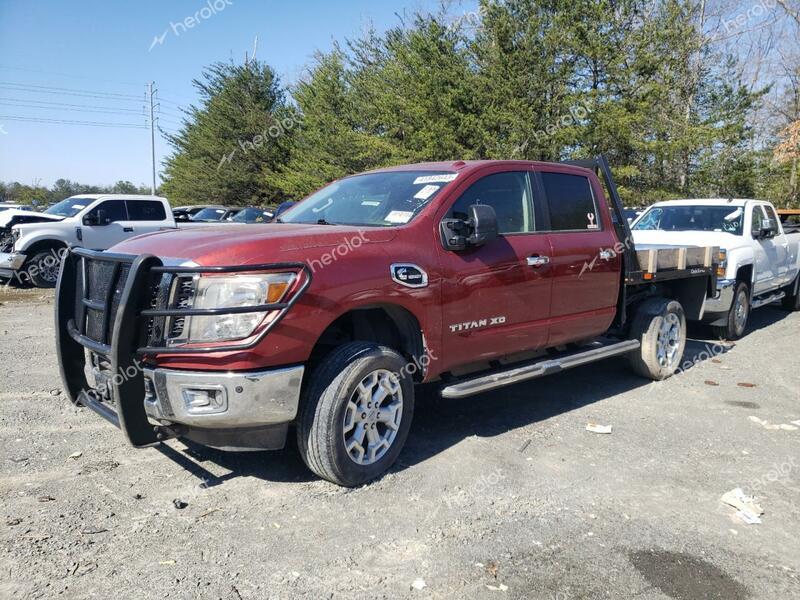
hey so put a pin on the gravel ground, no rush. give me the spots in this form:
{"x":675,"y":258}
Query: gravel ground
{"x":504,"y":495}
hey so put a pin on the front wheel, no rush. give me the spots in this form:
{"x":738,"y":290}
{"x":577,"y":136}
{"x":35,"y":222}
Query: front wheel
{"x":356,"y":413}
{"x":660,"y":326}
{"x":43,"y":269}
{"x":738,"y":315}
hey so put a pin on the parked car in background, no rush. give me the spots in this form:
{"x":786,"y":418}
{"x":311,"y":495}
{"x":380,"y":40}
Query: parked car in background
{"x":252,"y":214}
{"x":283,"y":207}
{"x":185,"y":213}
{"x":14,"y":206}
{"x":32,"y":244}
{"x":632,"y":213}
{"x":212,"y":214}
{"x":759,"y":261}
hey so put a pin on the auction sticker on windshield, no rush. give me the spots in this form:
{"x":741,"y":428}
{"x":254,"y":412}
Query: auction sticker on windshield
{"x":446,"y":178}
{"x":399,"y":216}
{"x":426,"y":192}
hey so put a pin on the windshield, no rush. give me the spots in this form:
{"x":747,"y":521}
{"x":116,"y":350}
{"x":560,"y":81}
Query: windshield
{"x":251,"y":215}
{"x":372,"y":200}
{"x":209,"y":214}
{"x":727,"y":219}
{"x":69,"y":207}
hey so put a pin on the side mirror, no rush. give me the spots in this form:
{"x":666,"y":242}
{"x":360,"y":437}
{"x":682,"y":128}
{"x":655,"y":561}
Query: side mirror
{"x":483,"y":222}
{"x":767,"y":229}
{"x":479,"y":228}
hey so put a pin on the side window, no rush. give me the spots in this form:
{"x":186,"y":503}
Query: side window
{"x":114,"y":210}
{"x":146,"y":210}
{"x":758,"y":220}
{"x":571,"y":202}
{"x":508,"y":194}
{"x":775,"y":220}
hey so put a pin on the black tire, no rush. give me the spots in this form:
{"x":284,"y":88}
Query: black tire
{"x":43,"y":268}
{"x":662,"y":345}
{"x":735,"y":324}
{"x":791,"y":301}
{"x":325,"y":399}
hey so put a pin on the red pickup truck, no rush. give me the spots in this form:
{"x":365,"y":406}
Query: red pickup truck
{"x":473,"y":274}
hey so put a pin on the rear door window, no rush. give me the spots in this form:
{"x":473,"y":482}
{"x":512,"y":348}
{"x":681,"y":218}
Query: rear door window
{"x":571,"y":202}
{"x":146,"y":210}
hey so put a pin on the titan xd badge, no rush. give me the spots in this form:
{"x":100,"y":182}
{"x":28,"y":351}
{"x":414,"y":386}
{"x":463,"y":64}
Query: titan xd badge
{"x":409,"y":275}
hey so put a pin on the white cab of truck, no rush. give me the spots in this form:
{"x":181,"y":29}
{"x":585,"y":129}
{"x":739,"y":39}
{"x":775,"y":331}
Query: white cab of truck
{"x":32,"y":243}
{"x":759,"y":262}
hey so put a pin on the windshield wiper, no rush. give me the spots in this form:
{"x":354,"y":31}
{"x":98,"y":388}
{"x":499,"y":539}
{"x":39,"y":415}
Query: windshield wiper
{"x":324,"y":222}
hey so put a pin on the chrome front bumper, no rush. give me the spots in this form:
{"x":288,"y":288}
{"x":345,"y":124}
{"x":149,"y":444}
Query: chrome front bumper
{"x":223,"y":400}
{"x":11,"y":261}
{"x":723,"y":299}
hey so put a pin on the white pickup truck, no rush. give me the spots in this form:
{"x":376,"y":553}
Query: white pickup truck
{"x":32,"y":243}
{"x":758,"y":262}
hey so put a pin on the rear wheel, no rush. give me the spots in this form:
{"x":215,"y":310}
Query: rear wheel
{"x":43,"y":269}
{"x":660,"y":326}
{"x":791,"y":301}
{"x":356,"y":413}
{"x":738,"y":315}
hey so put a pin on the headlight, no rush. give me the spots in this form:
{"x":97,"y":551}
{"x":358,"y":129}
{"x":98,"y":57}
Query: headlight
{"x":15,"y":234}
{"x":230,"y":292}
{"x":722,"y":260}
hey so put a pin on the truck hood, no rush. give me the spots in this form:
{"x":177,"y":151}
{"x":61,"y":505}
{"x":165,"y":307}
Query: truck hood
{"x":13,"y":216}
{"x":251,"y":244}
{"x":728,"y":241}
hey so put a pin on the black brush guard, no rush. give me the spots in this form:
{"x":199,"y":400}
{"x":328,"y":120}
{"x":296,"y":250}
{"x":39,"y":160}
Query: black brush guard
{"x":114,"y":306}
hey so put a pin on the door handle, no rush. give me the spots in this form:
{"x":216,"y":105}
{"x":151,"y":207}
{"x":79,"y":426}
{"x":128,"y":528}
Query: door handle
{"x":537,"y":260}
{"x":127,"y":229}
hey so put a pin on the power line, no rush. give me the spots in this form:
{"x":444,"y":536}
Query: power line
{"x":69,"y":122}
{"x":21,"y":87}
{"x":60,"y":104}
{"x":126,"y":113}
{"x":61,"y":89}
{"x":69,"y":76}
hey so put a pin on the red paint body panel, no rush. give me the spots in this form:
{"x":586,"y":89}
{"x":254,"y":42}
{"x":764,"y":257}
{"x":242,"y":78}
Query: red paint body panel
{"x":541,"y":306}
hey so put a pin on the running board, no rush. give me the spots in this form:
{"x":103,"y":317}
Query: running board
{"x":759,"y":302}
{"x":498,"y":379}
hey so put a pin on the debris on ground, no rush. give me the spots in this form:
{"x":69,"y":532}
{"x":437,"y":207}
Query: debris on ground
{"x":179,"y":504}
{"x":419,"y":584}
{"x":55,"y":392}
{"x":595,"y":428}
{"x":748,"y":510}
{"x":497,"y":588}
{"x":45,"y":498}
{"x":710,"y":382}
{"x":77,"y":454}
{"x":745,"y":384}
{"x":774,"y":426}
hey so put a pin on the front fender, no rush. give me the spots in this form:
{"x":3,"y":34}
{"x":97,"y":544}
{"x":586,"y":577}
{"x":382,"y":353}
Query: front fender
{"x":31,"y":236}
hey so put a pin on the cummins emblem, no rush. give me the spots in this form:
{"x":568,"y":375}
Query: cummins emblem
{"x":409,"y":275}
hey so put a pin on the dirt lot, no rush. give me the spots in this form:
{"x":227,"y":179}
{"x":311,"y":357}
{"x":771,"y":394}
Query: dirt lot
{"x":501,"y":495}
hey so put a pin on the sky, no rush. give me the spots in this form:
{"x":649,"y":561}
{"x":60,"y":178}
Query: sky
{"x":90,"y":61}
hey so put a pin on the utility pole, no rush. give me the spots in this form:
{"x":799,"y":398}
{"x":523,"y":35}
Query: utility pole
{"x":150,"y":93}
